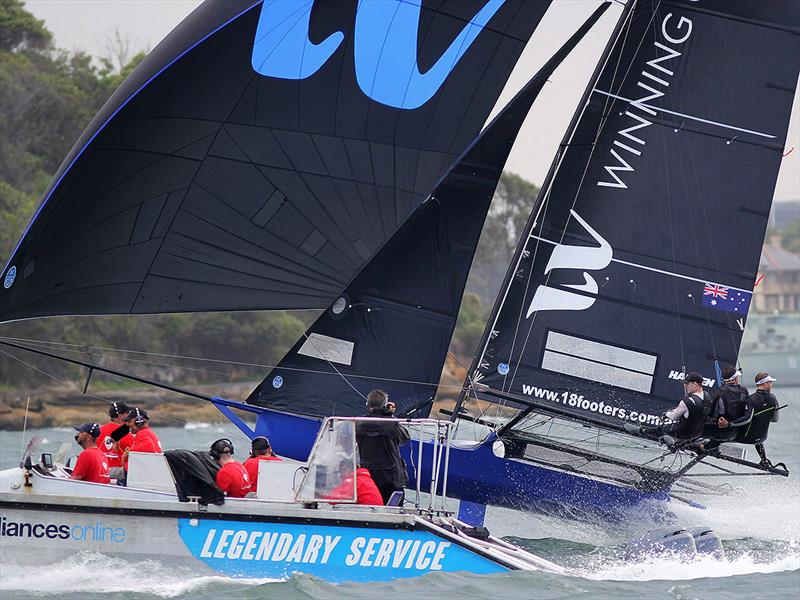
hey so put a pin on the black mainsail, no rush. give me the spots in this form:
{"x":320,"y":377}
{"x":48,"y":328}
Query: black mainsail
{"x":392,"y":325}
{"x":261,"y":153}
{"x":640,"y":257}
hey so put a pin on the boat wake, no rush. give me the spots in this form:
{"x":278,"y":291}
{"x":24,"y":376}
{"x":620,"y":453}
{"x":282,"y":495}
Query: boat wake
{"x":89,"y":573}
{"x":673,"y":568}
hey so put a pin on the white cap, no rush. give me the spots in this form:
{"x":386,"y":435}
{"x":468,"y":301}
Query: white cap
{"x":734,"y":376}
{"x":768,"y":379}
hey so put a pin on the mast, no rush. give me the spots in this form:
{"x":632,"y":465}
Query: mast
{"x":540,"y":200}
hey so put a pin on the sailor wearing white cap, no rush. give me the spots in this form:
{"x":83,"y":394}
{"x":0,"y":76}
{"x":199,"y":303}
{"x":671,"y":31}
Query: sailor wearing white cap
{"x":764,"y":407}
{"x":730,"y":402}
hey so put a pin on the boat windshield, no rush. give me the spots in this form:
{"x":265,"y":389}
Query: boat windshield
{"x":333,"y":462}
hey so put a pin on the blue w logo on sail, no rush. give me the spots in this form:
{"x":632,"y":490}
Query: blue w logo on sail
{"x":385,"y":37}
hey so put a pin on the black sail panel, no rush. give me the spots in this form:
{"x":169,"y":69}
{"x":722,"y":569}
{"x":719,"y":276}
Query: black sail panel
{"x":260,"y":155}
{"x":391,"y":327}
{"x":642,"y":259}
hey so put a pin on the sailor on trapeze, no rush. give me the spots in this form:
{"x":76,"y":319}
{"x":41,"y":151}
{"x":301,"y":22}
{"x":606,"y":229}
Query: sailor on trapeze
{"x":686,"y":420}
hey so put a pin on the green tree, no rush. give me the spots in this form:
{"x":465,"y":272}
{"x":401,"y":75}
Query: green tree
{"x":512,"y":203}
{"x":20,"y":30}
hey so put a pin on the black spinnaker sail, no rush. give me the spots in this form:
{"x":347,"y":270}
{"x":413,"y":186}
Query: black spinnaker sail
{"x":392,"y":325}
{"x":641,"y":256}
{"x":261,"y":153}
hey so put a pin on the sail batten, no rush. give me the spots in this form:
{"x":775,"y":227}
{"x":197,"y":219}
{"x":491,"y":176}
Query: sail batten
{"x":642,"y":258}
{"x":217,"y":140}
{"x":394,"y":321}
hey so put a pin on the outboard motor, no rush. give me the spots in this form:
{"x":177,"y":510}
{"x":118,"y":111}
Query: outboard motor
{"x":672,"y":541}
{"x":708,"y":543}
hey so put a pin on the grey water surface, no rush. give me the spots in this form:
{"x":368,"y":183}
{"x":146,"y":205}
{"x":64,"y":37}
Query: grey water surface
{"x":759,"y":521}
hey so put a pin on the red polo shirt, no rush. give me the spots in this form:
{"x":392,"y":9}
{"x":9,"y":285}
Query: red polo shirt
{"x":145,"y":441}
{"x":106,"y":444}
{"x":366,"y":490}
{"x":233,"y":479}
{"x":251,"y":466}
{"x":91,"y":466}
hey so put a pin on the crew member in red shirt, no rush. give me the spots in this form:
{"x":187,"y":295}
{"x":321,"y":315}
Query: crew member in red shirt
{"x":144,"y":439}
{"x":260,"y":449}
{"x":91,"y":465}
{"x":366,"y":490}
{"x":117,"y":413}
{"x":232,"y":478}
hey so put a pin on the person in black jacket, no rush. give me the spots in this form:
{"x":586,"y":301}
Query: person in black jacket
{"x":379,"y":445}
{"x":763,"y":409}
{"x":685,"y":421}
{"x":730,"y":414}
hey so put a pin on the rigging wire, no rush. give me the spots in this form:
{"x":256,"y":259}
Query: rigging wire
{"x":229,"y":362}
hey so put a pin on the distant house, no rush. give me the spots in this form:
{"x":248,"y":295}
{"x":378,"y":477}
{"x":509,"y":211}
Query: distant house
{"x":779,"y":289}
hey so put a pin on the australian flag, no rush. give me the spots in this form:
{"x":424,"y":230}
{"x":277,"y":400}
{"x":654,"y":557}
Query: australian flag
{"x":720,"y":297}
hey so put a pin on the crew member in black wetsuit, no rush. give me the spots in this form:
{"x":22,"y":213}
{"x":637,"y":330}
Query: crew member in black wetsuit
{"x":686,"y":419}
{"x":730,"y":412}
{"x":379,"y":445}
{"x":763,"y":409}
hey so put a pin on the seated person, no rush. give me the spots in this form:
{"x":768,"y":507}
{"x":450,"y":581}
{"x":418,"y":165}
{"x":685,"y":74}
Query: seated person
{"x":366,"y":491}
{"x":729,"y":412}
{"x":111,"y":444}
{"x":232,"y":478}
{"x":260,"y":449}
{"x":144,"y":438}
{"x":686,"y":419}
{"x":92,"y":465}
{"x":763,"y":409}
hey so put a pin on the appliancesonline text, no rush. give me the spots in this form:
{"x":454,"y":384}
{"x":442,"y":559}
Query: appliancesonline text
{"x":574,"y":400}
{"x":96,"y":532}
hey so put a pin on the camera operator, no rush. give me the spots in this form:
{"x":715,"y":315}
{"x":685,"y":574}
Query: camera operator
{"x":379,"y":445}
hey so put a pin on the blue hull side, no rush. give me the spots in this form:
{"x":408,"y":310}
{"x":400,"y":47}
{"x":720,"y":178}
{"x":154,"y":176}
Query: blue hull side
{"x":477,"y":475}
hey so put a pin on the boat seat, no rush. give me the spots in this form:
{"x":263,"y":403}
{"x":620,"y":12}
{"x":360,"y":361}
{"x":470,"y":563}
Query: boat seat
{"x":396,"y":499}
{"x":276,"y":480}
{"x":150,"y":471}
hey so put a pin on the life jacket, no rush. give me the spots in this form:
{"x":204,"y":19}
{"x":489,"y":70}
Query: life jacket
{"x":764,"y":406}
{"x":691,"y":425}
{"x":735,"y":399}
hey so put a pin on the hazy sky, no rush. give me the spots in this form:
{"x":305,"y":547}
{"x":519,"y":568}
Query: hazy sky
{"x":86,"y":24}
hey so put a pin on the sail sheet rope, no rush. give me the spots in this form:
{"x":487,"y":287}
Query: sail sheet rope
{"x":86,"y":350}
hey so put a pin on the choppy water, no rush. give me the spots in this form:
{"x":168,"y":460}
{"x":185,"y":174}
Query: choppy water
{"x":759,"y":522}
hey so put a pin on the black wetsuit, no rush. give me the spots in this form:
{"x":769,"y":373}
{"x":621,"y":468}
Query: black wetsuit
{"x":730,"y":401}
{"x":379,"y":451}
{"x":763,"y":407}
{"x":690,"y":426}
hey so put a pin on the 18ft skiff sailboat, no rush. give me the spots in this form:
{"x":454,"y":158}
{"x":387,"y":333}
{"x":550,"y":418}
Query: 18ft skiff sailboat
{"x":638,"y":259}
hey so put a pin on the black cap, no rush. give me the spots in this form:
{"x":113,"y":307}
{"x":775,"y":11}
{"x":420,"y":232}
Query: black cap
{"x":118,"y":408}
{"x":220,"y":447}
{"x":260,"y":444}
{"x":93,"y":429}
{"x":693,"y":376}
{"x":137,"y":413}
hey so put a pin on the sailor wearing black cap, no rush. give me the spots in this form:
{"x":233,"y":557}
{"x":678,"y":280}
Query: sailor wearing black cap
{"x":763,"y":409}
{"x":110,"y":442}
{"x":232,"y":478}
{"x":685,"y":420}
{"x":260,"y":449}
{"x":92,"y":465}
{"x":144,"y":438}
